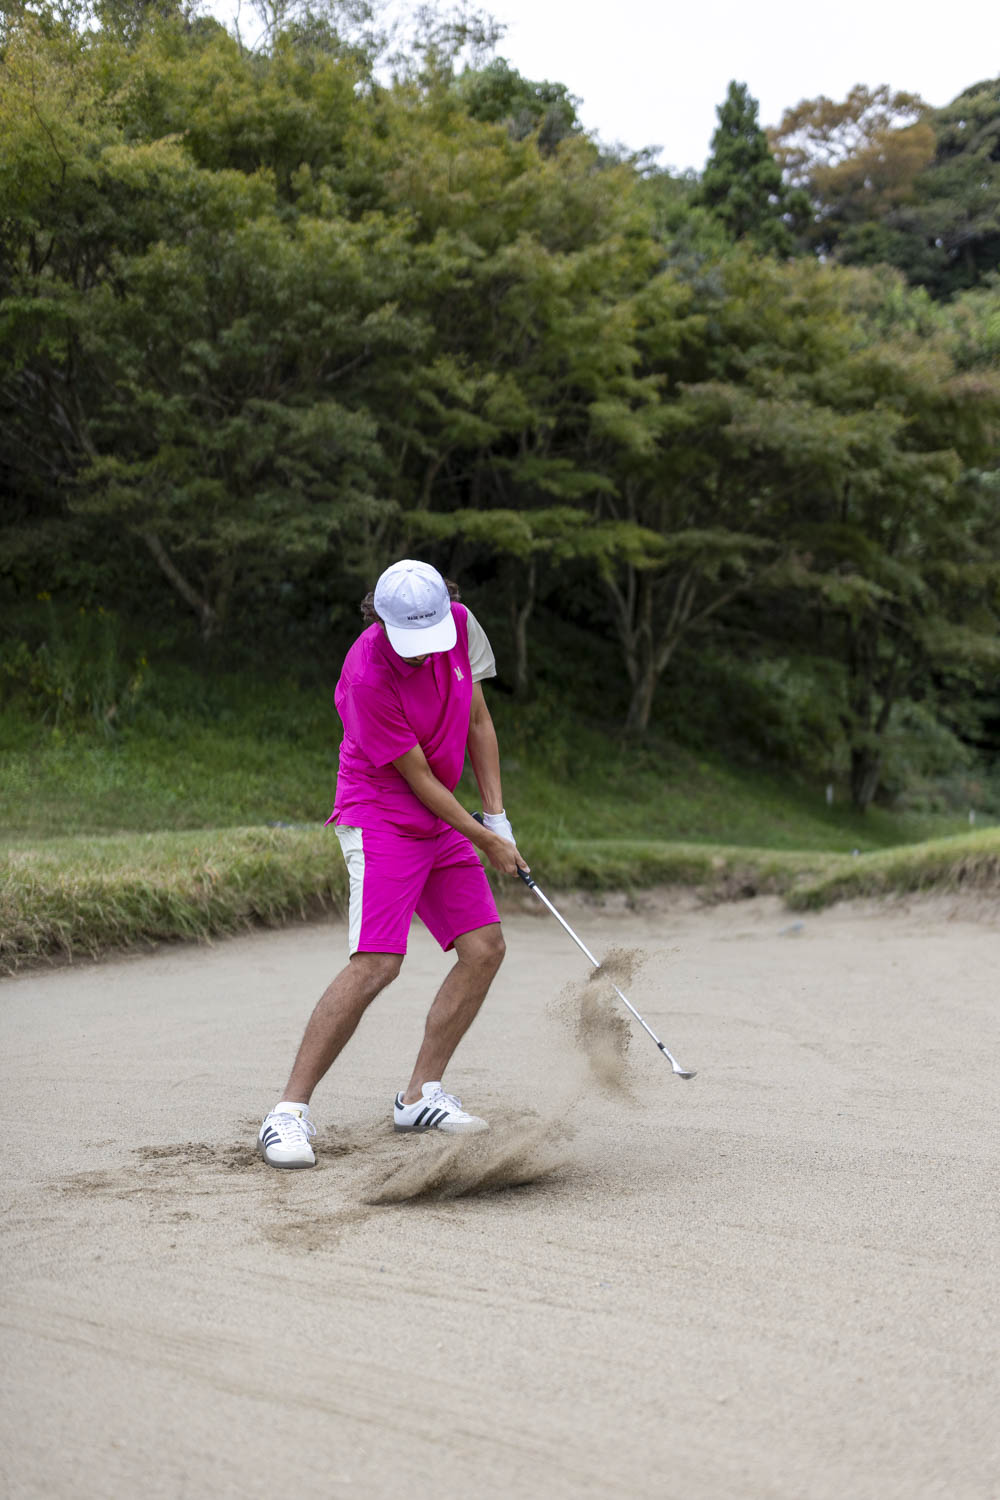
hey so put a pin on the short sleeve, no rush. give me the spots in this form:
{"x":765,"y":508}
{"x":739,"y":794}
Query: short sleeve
{"x":374,"y":720}
{"x":481,"y":658}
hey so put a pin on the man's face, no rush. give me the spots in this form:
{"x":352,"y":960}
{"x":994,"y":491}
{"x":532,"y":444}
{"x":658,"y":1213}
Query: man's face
{"x":411,"y":661}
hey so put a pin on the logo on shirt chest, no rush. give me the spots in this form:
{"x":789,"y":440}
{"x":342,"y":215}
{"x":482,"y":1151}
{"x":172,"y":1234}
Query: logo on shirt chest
{"x":459,"y":673}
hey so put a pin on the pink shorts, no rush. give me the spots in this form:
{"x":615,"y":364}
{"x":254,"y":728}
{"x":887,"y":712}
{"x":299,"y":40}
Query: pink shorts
{"x":393,"y":875}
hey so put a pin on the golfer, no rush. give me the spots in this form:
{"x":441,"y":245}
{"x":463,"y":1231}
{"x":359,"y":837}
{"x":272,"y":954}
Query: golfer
{"x":411,"y":702}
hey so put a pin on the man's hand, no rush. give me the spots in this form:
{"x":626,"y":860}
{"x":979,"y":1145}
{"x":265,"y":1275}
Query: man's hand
{"x":505,"y":859}
{"x":502,"y":854}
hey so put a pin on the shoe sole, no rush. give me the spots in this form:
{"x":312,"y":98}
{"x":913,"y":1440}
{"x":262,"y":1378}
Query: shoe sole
{"x":283,"y":1166}
{"x":441,"y":1129}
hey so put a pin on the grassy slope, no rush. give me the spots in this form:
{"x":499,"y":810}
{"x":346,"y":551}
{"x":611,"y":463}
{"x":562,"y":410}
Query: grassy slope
{"x":278,"y":764}
{"x":89,"y":868}
{"x":969,"y":861}
{"x":84,"y":896}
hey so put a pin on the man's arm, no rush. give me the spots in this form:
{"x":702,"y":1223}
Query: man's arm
{"x":484,"y":752}
{"x":433,"y":793}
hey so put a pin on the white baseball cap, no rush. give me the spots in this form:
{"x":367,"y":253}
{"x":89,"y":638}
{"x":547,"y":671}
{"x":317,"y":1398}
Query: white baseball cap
{"x":412,"y":601}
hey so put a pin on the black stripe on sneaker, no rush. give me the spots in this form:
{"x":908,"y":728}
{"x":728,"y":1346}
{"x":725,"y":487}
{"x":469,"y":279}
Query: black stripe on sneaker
{"x":420,"y":1117}
{"x":271,"y":1136}
{"x":436,"y":1115}
{"x":399,"y":1101}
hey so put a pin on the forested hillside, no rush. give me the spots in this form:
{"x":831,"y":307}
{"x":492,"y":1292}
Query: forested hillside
{"x":717,"y":454}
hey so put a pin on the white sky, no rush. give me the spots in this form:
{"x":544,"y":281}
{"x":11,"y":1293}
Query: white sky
{"x":652,"y":74}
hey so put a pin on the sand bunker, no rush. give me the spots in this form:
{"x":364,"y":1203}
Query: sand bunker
{"x":778,"y":1281}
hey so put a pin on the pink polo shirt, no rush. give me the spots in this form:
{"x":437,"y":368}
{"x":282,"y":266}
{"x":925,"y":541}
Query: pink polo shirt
{"x":387,"y":708}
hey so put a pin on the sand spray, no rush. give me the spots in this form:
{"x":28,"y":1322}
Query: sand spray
{"x":518,"y":1152}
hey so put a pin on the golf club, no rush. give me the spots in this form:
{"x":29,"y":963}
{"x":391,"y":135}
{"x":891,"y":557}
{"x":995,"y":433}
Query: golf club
{"x":532,"y":886}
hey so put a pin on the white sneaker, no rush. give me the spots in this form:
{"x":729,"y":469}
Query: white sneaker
{"x":436,"y":1110}
{"x":284,"y":1137}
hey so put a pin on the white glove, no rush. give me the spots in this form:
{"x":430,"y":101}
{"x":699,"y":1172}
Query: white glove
{"x":498,"y":823}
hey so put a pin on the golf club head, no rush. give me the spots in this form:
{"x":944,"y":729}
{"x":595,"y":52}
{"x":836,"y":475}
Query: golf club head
{"x":671,"y":1059}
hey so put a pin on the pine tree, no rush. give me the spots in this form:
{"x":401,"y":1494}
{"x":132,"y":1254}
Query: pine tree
{"x":742,"y":183}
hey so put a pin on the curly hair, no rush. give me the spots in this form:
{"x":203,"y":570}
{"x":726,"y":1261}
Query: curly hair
{"x":367,"y":605}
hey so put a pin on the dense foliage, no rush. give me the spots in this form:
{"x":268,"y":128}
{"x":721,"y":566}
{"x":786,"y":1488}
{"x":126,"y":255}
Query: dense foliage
{"x":272,"y":317}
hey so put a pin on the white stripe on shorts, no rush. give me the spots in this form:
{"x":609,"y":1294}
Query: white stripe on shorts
{"x":354,"y":853}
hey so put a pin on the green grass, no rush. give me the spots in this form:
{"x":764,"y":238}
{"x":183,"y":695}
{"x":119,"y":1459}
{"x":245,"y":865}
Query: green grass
{"x":224,"y":766}
{"x":207,"y":819}
{"x":692,"y":799}
{"x":77,"y":897}
{"x":969,"y":862}
{"x":274,"y":760}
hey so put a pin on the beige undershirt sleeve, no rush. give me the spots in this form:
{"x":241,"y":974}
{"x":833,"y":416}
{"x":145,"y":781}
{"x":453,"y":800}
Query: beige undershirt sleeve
{"x":481,"y":658}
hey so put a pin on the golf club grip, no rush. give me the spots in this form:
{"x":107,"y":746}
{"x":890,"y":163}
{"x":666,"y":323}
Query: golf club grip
{"x":522,"y":873}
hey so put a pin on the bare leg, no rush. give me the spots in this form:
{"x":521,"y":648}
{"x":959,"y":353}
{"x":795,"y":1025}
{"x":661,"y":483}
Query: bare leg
{"x":335,"y":1019}
{"x":456,"y":1004}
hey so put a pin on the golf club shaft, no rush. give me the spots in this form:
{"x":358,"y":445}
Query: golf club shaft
{"x":532,"y":886}
{"x":681,"y":1072}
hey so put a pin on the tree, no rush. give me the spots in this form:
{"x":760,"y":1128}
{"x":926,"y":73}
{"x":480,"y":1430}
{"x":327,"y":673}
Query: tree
{"x":803,"y":447}
{"x":525,"y":261}
{"x":265,"y":316}
{"x":742,"y":183}
{"x":892,"y":180}
{"x":957,"y":207}
{"x":237,"y":435}
{"x":499,"y":94}
{"x":858,"y":161}
{"x":523,"y":543}
{"x":697,"y":544}
{"x":178,"y":345}
{"x":892,"y":527}
{"x":58,"y":232}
